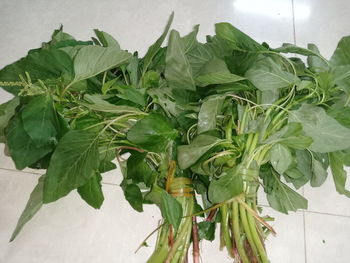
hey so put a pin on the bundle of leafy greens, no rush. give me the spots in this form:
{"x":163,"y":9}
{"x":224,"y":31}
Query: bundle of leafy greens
{"x":197,"y":129}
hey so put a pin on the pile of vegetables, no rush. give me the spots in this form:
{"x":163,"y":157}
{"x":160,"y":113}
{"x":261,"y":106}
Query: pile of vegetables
{"x":196,"y":129}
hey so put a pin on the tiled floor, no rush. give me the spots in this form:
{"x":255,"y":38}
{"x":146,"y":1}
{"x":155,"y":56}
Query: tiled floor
{"x":69,"y":231}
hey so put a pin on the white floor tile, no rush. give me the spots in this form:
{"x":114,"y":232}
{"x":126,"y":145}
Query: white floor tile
{"x":70,"y":231}
{"x":327,"y":238}
{"x":326,"y":199}
{"x":321,"y":22}
{"x":288,"y":245}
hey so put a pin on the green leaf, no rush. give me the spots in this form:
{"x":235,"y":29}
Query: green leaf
{"x":134,"y":196}
{"x":23,"y":150}
{"x":39,"y":64}
{"x":33,"y":205}
{"x":7,"y":110}
{"x":341,"y":55}
{"x":177,"y":68}
{"x":328,"y":135}
{"x":206,"y":230}
{"x":152,"y":133}
{"x":266,"y":74}
{"x":190,"y":41}
{"x":316,"y":63}
{"x":91,"y":191}
{"x":106,"y":39}
{"x":217,"y":78}
{"x":292,"y":136}
{"x":319,"y":173}
{"x":139,"y":170}
{"x":171,"y":210}
{"x":291,"y":48}
{"x":92,"y":60}
{"x":339,"y":174}
{"x":280,"y":158}
{"x":280,"y":196}
{"x":131,"y":94}
{"x":229,"y":185}
{"x":237,"y":39}
{"x":190,"y":154}
{"x":153,"y":50}
{"x":74,"y":161}
{"x":97,"y":103}
{"x":198,"y":56}
{"x":40,"y":120}
{"x":207,"y":114}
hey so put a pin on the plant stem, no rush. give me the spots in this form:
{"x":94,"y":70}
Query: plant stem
{"x":237,"y":233}
{"x":257,"y":240}
{"x":247,"y":231}
{"x":225,"y":229}
{"x":195,"y":240}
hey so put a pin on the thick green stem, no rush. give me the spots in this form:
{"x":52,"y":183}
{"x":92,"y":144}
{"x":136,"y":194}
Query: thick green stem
{"x":237,"y":233}
{"x":225,"y":229}
{"x":247,"y":231}
{"x":257,"y":240}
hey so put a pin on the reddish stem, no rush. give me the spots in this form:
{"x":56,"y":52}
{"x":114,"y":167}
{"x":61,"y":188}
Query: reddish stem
{"x":171,"y":236}
{"x":211,"y":215}
{"x":195,"y":239}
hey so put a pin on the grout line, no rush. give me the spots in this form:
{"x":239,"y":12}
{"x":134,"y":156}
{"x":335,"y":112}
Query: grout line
{"x":110,"y":184}
{"x":304,"y":227}
{"x":324,"y":213}
{"x":19,"y":171}
{"x":311,"y":212}
{"x":304,"y":230}
{"x":293,"y":16}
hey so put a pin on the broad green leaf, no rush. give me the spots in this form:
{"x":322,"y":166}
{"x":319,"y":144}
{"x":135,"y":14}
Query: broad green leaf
{"x":106,"y":39}
{"x":138,"y":170}
{"x":7,"y":110}
{"x":338,"y":172}
{"x":281,"y":197}
{"x":171,"y":210}
{"x":207,"y":114}
{"x":328,"y":135}
{"x":91,"y":191}
{"x":215,"y":71}
{"x":198,"y":56}
{"x":280,"y":158}
{"x":92,"y":60}
{"x":266,"y":74}
{"x":206,"y":230}
{"x":292,"y":136}
{"x":190,"y":154}
{"x":153,"y":50}
{"x":97,"y":103}
{"x":217,"y":78}
{"x":39,"y":64}
{"x":33,"y":205}
{"x":190,"y":41}
{"x":40,"y":120}
{"x":237,"y":39}
{"x":229,"y":185}
{"x":291,"y":48}
{"x":319,"y":173}
{"x":341,"y":113}
{"x":341,"y":55}
{"x":73,"y":163}
{"x":133,"y":70}
{"x":178,"y":72}
{"x":152,"y":133}
{"x":316,"y":63}
{"x":131,"y":94}
{"x":23,"y":150}
{"x":133,"y":195}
